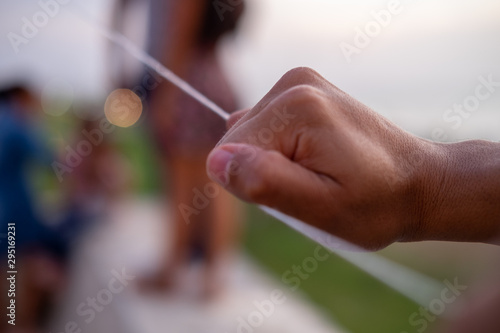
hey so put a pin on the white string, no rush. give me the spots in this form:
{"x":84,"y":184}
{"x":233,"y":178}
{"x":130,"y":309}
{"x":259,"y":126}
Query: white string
{"x":417,"y":287}
{"x":151,"y":62}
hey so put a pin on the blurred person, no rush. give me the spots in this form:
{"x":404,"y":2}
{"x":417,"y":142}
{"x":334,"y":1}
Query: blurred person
{"x":184,"y":36}
{"x":40,"y":253}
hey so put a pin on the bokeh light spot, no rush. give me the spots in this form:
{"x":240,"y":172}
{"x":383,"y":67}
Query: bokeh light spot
{"x":123,"y":108}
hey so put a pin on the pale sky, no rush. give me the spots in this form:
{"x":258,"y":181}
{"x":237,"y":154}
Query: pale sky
{"x":428,"y":58}
{"x":64,"y":48}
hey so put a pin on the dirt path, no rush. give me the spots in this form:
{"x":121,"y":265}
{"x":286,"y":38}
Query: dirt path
{"x":128,"y":243}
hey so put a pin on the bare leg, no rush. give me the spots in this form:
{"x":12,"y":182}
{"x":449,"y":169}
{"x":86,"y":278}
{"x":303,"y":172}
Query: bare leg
{"x":213,"y":218}
{"x":28,"y":296}
{"x":182,"y":176}
{"x":222,"y":218}
{"x":39,"y":277}
{"x":183,"y":215}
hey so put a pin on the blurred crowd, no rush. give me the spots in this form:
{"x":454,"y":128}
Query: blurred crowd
{"x":87,"y":178}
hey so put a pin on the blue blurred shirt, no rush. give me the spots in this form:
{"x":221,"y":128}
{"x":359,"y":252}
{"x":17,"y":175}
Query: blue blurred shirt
{"x":18,"y":148}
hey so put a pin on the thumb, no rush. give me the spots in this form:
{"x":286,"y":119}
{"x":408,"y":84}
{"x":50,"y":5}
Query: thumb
{"x":266,"y":177}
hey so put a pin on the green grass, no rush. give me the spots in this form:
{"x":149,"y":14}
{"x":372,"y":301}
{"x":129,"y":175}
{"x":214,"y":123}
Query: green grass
{"x":140,"y":153}
{"x":350,"y":297}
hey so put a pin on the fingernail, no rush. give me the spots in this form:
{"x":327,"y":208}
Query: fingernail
{"x":218,"y":162}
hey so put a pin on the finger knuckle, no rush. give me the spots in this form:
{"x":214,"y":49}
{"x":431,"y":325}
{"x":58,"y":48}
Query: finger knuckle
{"x":302,"y":74}
{"x":304,"y":96}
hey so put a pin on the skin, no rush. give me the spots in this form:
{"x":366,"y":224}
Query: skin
{"x":481,"y":315}
{"x":339,"y":166}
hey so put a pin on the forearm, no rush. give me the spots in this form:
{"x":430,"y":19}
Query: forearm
{"x":462,"y":200}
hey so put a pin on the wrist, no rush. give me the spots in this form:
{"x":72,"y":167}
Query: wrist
{"x":459,"y":193}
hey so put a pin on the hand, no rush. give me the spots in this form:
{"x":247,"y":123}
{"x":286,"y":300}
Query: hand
{"x":313,"y":152}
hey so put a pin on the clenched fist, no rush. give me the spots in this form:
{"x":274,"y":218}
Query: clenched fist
{"x":312,"y":151}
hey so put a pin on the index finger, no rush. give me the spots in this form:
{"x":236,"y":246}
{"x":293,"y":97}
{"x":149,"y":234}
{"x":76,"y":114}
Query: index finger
{"x":295,"y":77}
{"x":235,"y":117}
